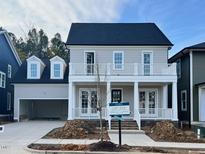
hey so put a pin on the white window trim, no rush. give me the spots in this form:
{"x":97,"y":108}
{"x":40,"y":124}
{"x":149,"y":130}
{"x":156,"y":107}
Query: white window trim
{"x":9,"y":71}
{"x":113,"y":60}
{"x":29,"y":70}
{"x":52,"y":76}
{"x":80,"y":100}
{"x":184,"y":108}
{"x":151,"y":60}
{"x":86,"y":51}
{"x":3,"y":85}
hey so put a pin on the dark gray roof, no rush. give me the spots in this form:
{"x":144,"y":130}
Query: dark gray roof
{"x":186,"y":50}
{"x":116,"y":34}
{"x":21,"y":75}
{"x":197,"y":46}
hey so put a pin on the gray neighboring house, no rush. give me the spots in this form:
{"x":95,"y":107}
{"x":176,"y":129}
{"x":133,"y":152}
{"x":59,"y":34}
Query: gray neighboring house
{"x":191,"y":82}
{"x":131,"y":59}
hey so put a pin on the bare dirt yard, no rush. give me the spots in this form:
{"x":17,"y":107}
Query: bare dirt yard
{"x":77,"y":129}
{"x":166,"y":131}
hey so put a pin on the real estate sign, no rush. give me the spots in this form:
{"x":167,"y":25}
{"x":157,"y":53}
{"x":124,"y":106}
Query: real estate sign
{"x":119,"y":109}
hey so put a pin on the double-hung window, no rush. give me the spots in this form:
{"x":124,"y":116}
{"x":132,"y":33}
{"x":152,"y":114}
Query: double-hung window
{"x":9,"y":71}
{"x":56,"y":70}
{"x":179,"y":68}
{"x":2,"y":80}
{"x":184,"y":100}
{"x":118,"y":60}
{"x":33,"y":69}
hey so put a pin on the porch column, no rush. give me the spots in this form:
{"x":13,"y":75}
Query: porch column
{"x":108,"y":101}
{"x":165,"y":96}
{"x":70,"y":102}
{"x":136,"y":100}
{"x":174,"y":101}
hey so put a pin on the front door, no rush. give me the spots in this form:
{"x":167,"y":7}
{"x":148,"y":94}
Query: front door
{"x":148,"y":102}
{"x":116,"y":95}
{"x":89,"y":60}
{"x":88,"y":101}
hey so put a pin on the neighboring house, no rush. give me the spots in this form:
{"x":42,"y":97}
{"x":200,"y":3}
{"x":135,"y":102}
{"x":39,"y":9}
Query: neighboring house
{"x":130,"y":60}
{"x":9,"y":64}
{"x":191,"y":82}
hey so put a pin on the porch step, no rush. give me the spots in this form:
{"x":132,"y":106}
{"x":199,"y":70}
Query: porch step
{"x":125,"y":125}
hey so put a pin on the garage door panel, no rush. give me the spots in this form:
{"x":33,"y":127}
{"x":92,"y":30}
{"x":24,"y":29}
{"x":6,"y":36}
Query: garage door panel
{"x":41,"y":109}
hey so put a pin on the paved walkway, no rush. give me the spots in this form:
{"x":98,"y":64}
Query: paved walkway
{"x":130,"y":139}
{"x":144,"y":140}
{"x":17,"y":135}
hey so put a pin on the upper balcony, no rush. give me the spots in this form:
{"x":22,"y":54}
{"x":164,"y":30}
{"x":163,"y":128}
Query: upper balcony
{"x":127,"y":69}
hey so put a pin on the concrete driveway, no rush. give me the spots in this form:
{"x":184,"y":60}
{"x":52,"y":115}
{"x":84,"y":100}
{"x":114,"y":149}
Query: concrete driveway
{"x":19,"y":134}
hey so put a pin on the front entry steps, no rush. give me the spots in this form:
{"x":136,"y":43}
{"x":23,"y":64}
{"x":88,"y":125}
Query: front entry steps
{"x":125,"y":125}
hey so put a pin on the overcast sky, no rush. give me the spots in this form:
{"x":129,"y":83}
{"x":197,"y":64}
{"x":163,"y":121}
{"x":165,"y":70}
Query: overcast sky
{"x":182,"y":21}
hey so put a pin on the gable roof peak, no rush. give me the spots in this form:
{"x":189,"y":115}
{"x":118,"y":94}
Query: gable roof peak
{"x":35,"y":58}
{"x":57,"y":58}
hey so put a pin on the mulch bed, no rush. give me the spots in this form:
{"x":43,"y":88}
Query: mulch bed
{"x":166,"y":131}
{"x":99,"y":146}
{"x":108,"y":147}
{"x":77,"y":129}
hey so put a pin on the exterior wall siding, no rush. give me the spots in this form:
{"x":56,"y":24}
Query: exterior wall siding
{"x":6,"y":57}
{"x":105,"y":54}
{"x":183,"y":83}
{"x":198,"y":77}
{"x":38,"y":91}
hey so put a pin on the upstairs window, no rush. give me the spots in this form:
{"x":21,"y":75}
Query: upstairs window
{"x":2,"y":80}
{"x":33,"y":70}
{"x":9,"y":71}
{"x":179,"y":68}
{"x":57,"y":72}
{"x":118,"y":60}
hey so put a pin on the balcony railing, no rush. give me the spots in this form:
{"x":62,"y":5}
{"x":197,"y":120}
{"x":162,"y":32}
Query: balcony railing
{"x":127,"y":69}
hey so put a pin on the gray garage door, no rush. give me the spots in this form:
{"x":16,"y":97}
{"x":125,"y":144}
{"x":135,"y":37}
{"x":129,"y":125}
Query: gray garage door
{"x":44,"y":109}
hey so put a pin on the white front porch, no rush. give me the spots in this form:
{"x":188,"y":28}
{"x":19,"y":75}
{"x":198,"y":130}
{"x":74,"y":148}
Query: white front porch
{"x":147,"y":100}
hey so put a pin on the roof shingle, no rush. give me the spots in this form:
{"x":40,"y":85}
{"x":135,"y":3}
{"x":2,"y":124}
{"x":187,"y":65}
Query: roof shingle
{"x":116,"y":34}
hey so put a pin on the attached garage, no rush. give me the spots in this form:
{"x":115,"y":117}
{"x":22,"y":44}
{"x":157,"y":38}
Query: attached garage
{"x":40,"y":101}
{"x":43,"y":109}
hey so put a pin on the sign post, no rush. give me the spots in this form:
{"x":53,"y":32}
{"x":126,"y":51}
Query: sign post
{"x":117,"y":110}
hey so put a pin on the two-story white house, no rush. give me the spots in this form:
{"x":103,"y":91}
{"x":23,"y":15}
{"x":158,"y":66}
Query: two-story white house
{"x":128,"y":62}
{"x":131,"y":62}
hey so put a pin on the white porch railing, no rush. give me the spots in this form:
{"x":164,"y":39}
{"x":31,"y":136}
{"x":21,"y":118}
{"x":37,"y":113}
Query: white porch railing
{"x":143,"y":113}
{"x":89,"y":113}
{"x":156,"y":113}
{"x":127,"y":69}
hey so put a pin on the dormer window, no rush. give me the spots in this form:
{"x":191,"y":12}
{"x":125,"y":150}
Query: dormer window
{"x":58,"y":66}
{"x":35,"y":68}
{"x":57,"y":70}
